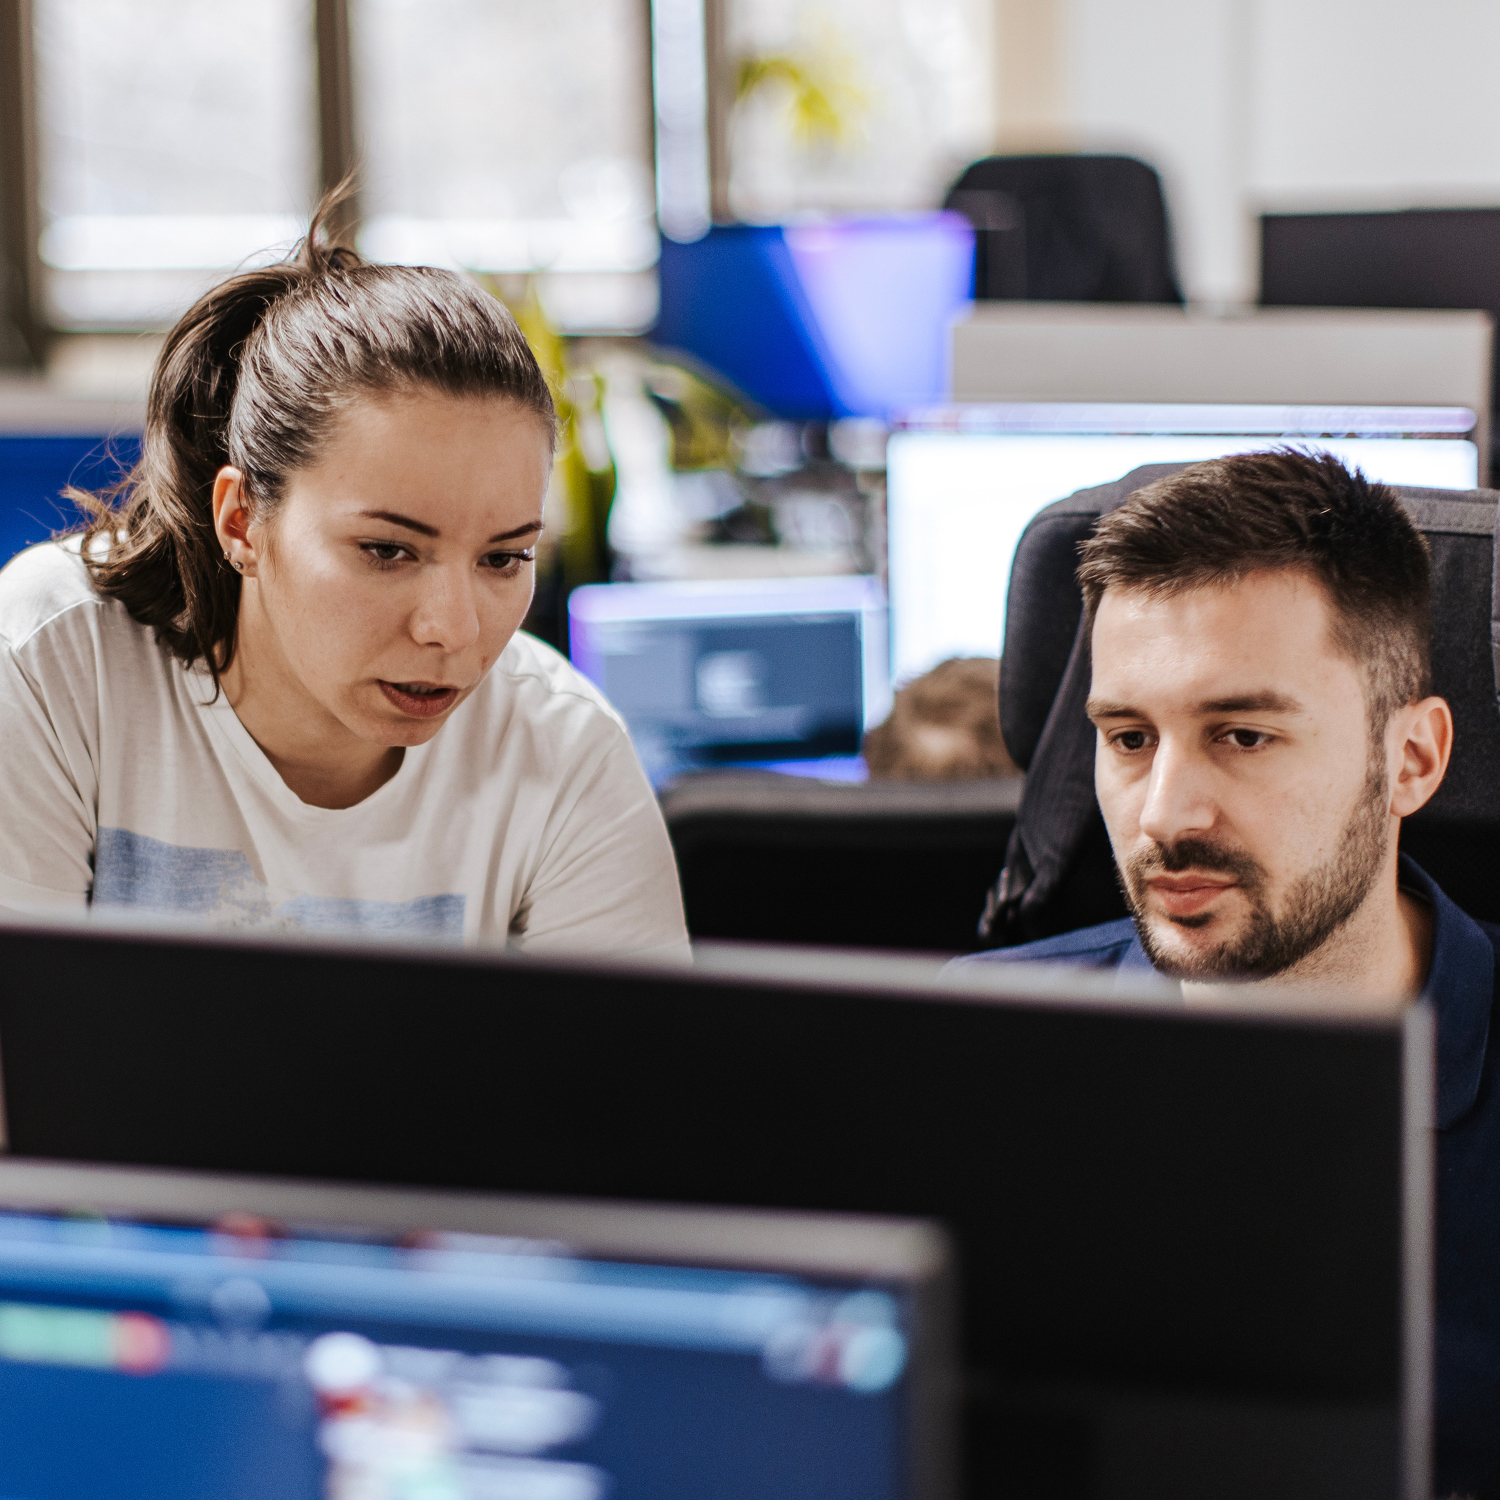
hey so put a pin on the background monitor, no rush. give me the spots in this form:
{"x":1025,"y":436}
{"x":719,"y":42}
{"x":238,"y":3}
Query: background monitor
{"x":1193,"y":1243}
{"x":836,"y":317}
{"x":721,"y":673}
{"x":49,"y":442}
{"x":172,"y":1336}
{"x":1407,"y":258}
{"x":1275,"y":356}
{"x":964,"y":481}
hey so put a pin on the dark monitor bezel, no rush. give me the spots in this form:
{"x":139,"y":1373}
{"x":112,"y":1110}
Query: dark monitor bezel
{"x":104,"y":1046}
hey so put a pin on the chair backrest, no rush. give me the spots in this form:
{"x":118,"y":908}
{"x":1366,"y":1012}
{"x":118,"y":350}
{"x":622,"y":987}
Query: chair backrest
{"x":885,"y":864}
{"x":1068,"y":229}
{"x":1059,"y":872}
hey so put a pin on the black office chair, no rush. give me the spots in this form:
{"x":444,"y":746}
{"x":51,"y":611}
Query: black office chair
{"x":1067,"y":229}
{"x":1059,"y":872}
{"x":884,"y":864}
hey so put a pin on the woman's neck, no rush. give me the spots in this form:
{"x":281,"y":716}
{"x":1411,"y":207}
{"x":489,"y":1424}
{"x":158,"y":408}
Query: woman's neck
{"x":320,"y":760}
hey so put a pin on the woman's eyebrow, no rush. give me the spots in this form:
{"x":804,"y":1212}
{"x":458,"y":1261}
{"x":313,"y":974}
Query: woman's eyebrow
{"x":420,"y":527}
{"x":519,"y":531}
{"x":423,"y":529}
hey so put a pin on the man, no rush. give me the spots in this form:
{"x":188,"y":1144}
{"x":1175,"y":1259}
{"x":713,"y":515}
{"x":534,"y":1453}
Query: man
{"x":1261,"y":693}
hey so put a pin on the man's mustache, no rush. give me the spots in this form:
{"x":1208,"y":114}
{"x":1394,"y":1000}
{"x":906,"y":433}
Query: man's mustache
{"x":1193,"y":854}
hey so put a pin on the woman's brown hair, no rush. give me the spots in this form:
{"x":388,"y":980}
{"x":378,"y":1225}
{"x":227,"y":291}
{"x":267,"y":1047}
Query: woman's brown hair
{"x":254,"y":376}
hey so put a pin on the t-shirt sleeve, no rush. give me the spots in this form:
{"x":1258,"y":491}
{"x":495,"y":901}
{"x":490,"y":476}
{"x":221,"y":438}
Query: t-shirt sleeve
{"x":47,"y":777}
{"x":607,"y":880}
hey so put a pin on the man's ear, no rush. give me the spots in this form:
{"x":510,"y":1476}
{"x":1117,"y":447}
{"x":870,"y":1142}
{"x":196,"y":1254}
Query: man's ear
{"x":1420,"y":735}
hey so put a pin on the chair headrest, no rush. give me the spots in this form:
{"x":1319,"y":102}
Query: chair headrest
{"x":1045,"y":604}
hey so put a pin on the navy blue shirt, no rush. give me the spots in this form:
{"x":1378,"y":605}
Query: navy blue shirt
{"x":1461,"y":988}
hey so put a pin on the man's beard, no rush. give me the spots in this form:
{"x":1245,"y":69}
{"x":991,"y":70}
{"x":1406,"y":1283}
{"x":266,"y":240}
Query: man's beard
{"x":1313,"y":909}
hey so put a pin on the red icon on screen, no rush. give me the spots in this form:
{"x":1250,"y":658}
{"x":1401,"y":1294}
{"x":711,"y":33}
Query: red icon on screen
{"x":142,"y":1343}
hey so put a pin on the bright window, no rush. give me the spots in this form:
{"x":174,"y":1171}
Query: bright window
{"x":512,"y":137}
{"x":853,"y":105}
{"x":176,"y":139}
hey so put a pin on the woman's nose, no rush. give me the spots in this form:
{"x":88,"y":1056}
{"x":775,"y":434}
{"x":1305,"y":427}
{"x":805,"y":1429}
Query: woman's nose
{"x":448,"y":614}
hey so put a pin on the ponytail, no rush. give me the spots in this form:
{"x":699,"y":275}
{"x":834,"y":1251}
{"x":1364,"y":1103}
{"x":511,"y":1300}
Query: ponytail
{"x":253,"y":376}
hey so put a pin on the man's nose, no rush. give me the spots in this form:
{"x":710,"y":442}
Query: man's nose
{"x":447,"y":614}
{"x":1179,"y":794}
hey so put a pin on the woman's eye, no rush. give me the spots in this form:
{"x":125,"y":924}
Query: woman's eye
{"x":1132,"y":740}
{"x":507,"y":562}
{"x":383,"y":552}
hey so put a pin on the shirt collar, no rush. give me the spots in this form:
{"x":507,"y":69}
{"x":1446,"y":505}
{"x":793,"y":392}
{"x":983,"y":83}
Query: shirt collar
{"x":1460,"y":987}
{"x":1134,"y":964}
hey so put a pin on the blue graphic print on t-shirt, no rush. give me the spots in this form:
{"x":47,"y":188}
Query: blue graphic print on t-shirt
{"x":133,"y":870}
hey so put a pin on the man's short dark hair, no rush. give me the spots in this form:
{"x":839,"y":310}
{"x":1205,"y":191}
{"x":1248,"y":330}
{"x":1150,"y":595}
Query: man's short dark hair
{"x":1217,"y":522}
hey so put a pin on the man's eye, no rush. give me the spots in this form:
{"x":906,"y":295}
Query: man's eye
{"x":1247,"y":739}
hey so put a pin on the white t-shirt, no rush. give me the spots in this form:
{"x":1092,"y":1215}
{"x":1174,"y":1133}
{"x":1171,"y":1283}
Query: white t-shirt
{"x":123,"y":784}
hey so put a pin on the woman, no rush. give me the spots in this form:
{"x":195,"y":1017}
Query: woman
{"x":280,"y":684}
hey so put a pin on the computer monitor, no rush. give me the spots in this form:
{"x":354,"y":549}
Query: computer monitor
{"x":1418,"y":257}
{"x":831,"y":317}
{"x":719,"y":672}
{"x":963,"y":481}
{"x":169,"y":1336}
{"x":1192,"y":1243}
{"x":35,"y":469}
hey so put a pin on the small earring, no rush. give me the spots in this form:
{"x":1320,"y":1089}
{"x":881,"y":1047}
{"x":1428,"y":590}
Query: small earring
{"x":226,"y":557}
{"x":239,"y":567}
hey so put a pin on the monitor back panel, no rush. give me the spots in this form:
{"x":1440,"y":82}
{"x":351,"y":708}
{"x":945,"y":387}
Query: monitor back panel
{"x":1178,"y":1233}
{"x":1095,"y":351}
{"x":1410,"y":258}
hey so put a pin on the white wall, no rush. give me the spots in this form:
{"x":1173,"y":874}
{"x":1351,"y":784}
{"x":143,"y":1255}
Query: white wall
{"x":1164,"y":79}
{"x":1245,"y":105}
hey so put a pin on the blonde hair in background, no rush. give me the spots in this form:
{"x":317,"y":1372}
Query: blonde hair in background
{"x":944,"y":726}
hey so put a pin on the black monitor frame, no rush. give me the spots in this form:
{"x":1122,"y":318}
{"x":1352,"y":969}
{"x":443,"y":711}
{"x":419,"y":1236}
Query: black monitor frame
{"x":1191,"y":1242}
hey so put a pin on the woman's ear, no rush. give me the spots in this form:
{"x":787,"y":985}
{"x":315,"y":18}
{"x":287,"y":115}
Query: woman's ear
{"x":1423,"y":735}
{"x":232,"y":521}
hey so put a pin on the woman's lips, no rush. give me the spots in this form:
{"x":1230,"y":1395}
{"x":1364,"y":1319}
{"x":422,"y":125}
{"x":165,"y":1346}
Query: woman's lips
{"x":1187,"y":895}
{"x":427,"y":704}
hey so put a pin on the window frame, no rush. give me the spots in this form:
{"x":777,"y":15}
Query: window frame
{"x":25,"y":341}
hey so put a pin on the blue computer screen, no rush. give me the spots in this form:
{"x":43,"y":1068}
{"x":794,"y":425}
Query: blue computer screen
{"x":153,"y":1362}
{"x":706,"y":691}
{"x":35,"y":468}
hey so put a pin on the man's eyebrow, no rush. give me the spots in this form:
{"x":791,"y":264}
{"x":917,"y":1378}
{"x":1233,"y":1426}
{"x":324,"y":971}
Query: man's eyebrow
{"x":1266,"y":701}
{"x":423,"y":529}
